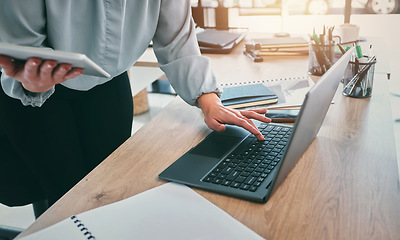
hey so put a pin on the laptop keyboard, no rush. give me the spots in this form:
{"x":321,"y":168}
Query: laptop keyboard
{"x":246,"y":168}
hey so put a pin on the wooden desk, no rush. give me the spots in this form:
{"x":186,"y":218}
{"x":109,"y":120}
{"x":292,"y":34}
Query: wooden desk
{"x":345,"y":186}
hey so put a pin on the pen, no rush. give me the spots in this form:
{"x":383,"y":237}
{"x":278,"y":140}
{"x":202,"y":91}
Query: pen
{"x":322,"y":39}
{"x":356,"y":66}
{"x":330,"y":34}
{"x":322,"y":36}
{"x":341,"y":48}
{"x":370,"y":51}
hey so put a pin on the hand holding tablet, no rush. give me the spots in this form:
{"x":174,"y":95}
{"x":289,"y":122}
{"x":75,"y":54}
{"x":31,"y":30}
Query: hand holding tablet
{"x":39,"y":69}
{"x":75,"y":59}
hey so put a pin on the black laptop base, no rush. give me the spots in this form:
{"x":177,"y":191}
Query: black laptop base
{"x":248,"y":166}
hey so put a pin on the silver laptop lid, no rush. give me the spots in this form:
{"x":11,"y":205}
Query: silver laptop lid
{"x":315,"y":106}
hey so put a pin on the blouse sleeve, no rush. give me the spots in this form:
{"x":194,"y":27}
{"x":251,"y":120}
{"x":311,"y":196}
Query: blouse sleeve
{"x":178,"y":54}
{"x":23,"y":22}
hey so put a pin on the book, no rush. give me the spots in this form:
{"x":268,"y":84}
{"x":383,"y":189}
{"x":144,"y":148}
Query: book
{"x":219,"y":41}
{"x":216,"y":38}
{"x":256,"y":49}
{"x":281,"y":53}
{"x":170,"y":211}
{"x":290,"y":90}
{"x":285,"y":42}
{"x":247,"y":95}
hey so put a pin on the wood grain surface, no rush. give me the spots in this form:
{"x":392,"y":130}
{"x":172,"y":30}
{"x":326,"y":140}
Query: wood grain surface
{"x":346,"y":185}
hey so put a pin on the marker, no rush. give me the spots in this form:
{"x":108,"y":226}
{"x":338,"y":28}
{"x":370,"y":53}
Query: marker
{"x":359,"y":52}
{"x":316,"y":39}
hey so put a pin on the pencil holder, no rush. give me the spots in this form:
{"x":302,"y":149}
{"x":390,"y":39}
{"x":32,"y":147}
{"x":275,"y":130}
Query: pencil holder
{"x":320,"y":58}
{"x":358,"y":78}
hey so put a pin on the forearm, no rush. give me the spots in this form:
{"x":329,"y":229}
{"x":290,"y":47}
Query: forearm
{"x":178,"y":54}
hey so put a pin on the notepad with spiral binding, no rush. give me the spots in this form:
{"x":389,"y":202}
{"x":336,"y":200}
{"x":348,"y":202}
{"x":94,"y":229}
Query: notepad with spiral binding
{"x":290,"y":91}
{"x":82,"y":228}
{"x":164,"y":212}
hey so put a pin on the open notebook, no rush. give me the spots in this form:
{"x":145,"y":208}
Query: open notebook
{"x":170,"y":211}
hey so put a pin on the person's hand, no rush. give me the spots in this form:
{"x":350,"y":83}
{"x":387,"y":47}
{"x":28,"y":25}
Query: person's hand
{"x":216,"y":115}
{"x":36,"y":75}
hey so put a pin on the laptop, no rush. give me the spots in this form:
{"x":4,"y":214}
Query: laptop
{"x":236,"y":164}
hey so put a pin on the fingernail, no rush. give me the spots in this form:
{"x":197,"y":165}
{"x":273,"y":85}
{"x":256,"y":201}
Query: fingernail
{"x":66,"y":68}
{"x":260,"y":136}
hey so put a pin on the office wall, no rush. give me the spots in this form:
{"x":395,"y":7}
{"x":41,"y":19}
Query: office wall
{"x":382,"y":29}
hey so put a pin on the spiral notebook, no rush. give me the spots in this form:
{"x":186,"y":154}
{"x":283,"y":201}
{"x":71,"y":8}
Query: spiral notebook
{"x":290,"y":91}
{"x":170,"y":211}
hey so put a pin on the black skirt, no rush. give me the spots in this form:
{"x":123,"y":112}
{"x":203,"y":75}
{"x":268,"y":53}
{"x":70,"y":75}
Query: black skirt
{"x":44,"y":151}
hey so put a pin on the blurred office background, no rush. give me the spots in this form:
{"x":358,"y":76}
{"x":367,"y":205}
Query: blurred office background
{"x":378,"y":19}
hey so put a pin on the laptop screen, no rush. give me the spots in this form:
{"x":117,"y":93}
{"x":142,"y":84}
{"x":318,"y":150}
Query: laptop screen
{"x":311,"y":116}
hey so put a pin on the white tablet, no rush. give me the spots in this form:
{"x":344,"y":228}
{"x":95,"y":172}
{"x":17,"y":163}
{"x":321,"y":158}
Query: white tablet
{"x":75,"y":59}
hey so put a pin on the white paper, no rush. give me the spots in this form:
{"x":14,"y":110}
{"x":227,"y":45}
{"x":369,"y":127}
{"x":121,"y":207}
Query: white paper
{"x":170,"y":211}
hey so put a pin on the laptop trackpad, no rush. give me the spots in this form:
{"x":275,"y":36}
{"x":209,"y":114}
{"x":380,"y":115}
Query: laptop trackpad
{"x":216,"y":145}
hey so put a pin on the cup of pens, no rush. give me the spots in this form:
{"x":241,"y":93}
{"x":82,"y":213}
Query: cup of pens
{"x":358,"y":78}
{"x":321,"y":51}
{"x":320,"y":58}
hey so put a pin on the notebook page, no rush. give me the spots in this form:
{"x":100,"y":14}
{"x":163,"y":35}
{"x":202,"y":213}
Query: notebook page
{"x":170,"y":211}
{"x":64,"y":230}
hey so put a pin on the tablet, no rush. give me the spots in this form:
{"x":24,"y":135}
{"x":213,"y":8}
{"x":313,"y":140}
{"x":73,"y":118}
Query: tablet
{"x":75,"y":59}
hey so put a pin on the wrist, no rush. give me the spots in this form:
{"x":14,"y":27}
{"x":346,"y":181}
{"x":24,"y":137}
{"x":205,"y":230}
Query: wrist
{"x":36,"y":90}
{"x":208,"y":99}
